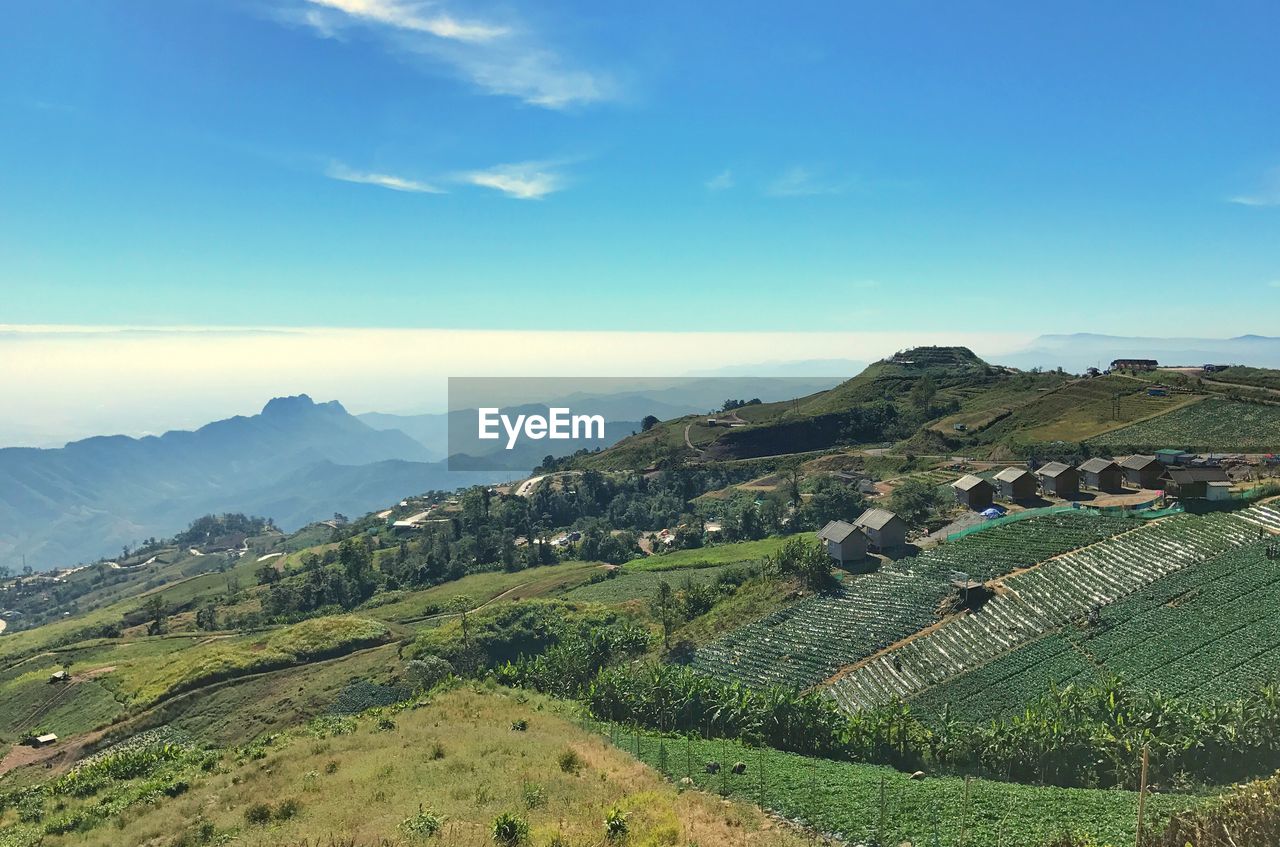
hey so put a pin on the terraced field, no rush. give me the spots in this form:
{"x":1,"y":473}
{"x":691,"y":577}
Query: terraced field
{"x":1206,"y":633}
{"x":1008,"y":632}
{"x":1213,"y":424}
{"x":806,"y":643}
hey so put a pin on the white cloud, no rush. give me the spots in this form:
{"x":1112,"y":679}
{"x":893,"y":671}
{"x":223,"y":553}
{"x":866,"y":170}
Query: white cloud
{"x":339,"y":171}
{"x":409,"y":16}
{"x":721,"y":181}
{"x":523,"y":180}
{"x":498,"y":57}
{"x":799,"y":181}
{"x":1267,"y":195}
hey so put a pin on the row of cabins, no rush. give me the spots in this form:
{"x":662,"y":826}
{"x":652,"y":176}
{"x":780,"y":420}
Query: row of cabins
{"x":1064,"y":481}
{"x":875,"y":530}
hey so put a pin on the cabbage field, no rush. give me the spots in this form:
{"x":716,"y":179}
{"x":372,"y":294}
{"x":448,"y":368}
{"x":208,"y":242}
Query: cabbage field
{"x":1210,"y":425}
{"x":807,"y":642}
{"x":1040,"y":600}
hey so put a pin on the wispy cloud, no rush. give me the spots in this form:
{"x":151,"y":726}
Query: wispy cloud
{"x":722,"y":181}
{"x":337,"y":170}
{"x":521,"y":180}
{"x":497,"y":56}
{"x":410,"y":16}
{"x":800,"y":181}
{"x":1268,"y":193}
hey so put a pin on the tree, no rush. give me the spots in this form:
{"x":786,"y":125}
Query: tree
{"x":648,"y":423}
{"x":461,"y":606}
{"x":207,"y":617}
{"x":915,"y":501}
{"x":667,"y":609}
{"x":156,"y":613}
{"x":923,"y":392}
{"x":833,"y":500}
{"x":805,"y":559}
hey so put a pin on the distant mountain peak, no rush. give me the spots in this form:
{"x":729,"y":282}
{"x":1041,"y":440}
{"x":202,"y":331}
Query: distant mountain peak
{"x":298,"y":404}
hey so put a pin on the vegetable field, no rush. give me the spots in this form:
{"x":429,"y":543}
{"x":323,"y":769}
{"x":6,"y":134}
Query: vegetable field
{"x":844,"y":798}
{"x":1039,"y":601}
{"x":806,"y":643}
{"x":1212,"y":424}
{"x":643,"y":585}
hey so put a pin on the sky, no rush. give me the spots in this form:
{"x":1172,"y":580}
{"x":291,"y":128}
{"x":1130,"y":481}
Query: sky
{"x":810,"y":169}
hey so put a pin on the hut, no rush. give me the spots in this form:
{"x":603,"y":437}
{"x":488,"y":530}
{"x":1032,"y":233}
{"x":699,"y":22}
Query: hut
{"x":884,"y":529}
{"x":1142,"y":471}
{"x":1102,"y":474}
{"x":1016,"y":484}
{"x":1059,"y":479}
{"x":1193,"y":483}
{"x":973,"y":492}
{"x":843,"y":541}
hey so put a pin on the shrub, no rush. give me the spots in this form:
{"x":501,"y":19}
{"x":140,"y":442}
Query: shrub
{"x":569,"y":761}
{"x":509,"y":829}
{"x":288,"y":809}
{"x":615,"y":824}
{"x":520,"y":725}
{"x":258,"y":813}
{"x":435,"y":751}
{"x":422,"y":825}
{"x":534,"y":795}
{"x":385,"y":724}
{"x":427,"y":672}
{"x":331,"y":766}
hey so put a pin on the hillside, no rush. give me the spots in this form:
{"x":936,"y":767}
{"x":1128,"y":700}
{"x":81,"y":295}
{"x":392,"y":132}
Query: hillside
{"x":889,"y":401}
{"x":295,"y":461}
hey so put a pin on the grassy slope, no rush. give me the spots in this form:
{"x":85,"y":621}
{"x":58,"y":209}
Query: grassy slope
{"x":483,"y":588}
{"x":379,"y":778}
{"x":720,"y":554}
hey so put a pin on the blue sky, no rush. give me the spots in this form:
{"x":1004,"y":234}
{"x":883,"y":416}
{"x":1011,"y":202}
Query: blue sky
{"x":678,"y":166}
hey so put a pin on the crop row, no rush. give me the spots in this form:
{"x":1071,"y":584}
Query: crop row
{"x":1038,"y":601}
{"x":806,"y":643}
{"x":1205,"y":633}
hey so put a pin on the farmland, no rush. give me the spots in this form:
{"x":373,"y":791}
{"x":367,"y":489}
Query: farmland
{"x":643,"y":585}
{"x":1213,"y":424}
{"x":807,"y":642}
{"x":1040,"y":600}
{"x":844,"y":798}
{"x":1204,"y":634}
{"x":719,"y":554}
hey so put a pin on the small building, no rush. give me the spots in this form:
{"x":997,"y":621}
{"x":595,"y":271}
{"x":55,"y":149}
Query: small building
{"x":1102,"y":475}
{"x":59,"y":676}
{"x":1217,"y":490}
{"x":1169,"y":458}
{"x":1157,"y":391}
{"x":1059,"y":479}
{"x":1134,"y":364}
{"x":1143,"y":471}
{"x":1016,"y":484}
{"x":44,"y":740}
{"x":843,"y":541}
{"x":973,"y":492}
{"x":1193,"y":483}
{"x":884,"y":529}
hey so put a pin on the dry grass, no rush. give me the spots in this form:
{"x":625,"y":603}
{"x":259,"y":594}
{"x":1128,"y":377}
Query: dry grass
{"x":358,"y":788}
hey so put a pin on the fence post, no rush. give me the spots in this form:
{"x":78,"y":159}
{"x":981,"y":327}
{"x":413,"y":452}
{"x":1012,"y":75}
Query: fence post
{"x":1142,"y":796}
{"x":964,"y":814}
{"x":884,"y":800}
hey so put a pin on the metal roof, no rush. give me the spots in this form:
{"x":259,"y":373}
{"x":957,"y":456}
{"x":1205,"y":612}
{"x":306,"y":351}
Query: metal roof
{"x":1139,"y":463}
{"x":1012,"y":474}
{"x":1098,"y":465}
{"x":1187,"y":476}
{"x":1053,"y":470}
{"x":968,"y":482}
{"x":874,"y":518}
{"x":837,"y":531}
